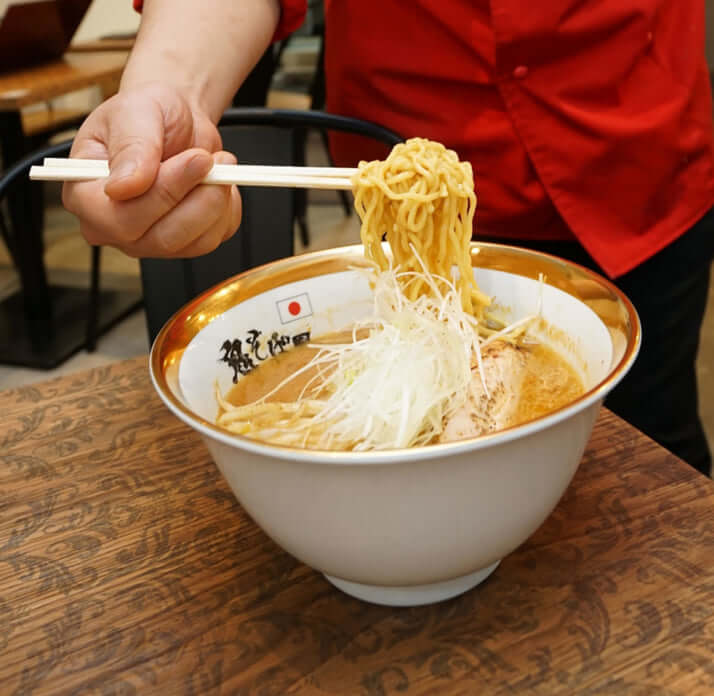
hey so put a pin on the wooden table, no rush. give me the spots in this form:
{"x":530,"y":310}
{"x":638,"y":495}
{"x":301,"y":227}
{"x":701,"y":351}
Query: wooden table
{"x":74,"y":71}
{"x":127,"y":567}
{"x":41,"y":326}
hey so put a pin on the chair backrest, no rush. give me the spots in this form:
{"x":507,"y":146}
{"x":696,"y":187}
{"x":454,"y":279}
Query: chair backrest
{"x":257,"y":136}
{"x":14,"y":175}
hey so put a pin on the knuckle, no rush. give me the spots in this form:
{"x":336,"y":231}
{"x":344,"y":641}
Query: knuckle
{"x":130,"y":250}
{"x":170,"y":240}
{"x":168,"y":197}
{"x":129,"y":225}
{"x":109,"y":234}
{"x":165,"y":245}
{"x":133,"y":234}
{"x":216,"y":200}
{"x":229,"y":232}
{"x":130,"y":143}
{"x":208,"y":242}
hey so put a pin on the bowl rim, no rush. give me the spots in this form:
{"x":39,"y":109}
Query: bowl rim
{"x":160,"y":362}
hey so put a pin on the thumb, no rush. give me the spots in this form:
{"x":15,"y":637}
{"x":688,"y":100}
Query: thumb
{"x":134,"y":148}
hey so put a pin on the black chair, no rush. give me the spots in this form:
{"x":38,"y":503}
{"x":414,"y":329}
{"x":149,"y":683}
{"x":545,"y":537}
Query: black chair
{"x":258,"y":136}
{"x":42,"y":325}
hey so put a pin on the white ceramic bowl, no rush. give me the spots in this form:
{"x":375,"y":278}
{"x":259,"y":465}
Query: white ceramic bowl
{"x":400,"y":527}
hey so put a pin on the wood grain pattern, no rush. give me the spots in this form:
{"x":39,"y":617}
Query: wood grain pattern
{"x":74,"y":71}
{"x":127,"y":567}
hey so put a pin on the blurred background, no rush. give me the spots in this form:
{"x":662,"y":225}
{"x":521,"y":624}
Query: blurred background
{"x":111,"y":24}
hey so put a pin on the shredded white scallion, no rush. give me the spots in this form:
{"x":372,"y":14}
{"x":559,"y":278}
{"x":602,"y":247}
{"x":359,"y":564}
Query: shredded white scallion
{"x":397,"y":386}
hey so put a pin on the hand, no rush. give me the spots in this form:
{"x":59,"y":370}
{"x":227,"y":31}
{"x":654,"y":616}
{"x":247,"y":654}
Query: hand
{"x":159,"y":149}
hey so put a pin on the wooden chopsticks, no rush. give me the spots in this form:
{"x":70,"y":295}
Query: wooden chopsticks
{"x":74,"y":169}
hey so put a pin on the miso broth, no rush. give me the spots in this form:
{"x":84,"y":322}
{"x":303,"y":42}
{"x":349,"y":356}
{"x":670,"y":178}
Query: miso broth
{"x":548,"y":382}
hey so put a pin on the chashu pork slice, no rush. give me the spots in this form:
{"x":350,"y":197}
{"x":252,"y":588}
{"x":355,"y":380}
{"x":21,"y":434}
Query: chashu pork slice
{"x":491,"y":409}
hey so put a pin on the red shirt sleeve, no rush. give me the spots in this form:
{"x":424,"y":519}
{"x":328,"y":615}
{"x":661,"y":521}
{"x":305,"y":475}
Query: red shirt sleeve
{"x":292,"y":15}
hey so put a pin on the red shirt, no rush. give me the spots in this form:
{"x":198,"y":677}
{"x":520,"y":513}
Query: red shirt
{"x":291,"y":16}
{"x":585,"y":119}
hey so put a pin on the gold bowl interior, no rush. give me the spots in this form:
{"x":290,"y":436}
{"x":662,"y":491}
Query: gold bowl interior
{"x":611,"y":305}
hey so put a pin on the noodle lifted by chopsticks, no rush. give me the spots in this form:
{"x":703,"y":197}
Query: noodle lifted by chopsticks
{"x":421,"y":200}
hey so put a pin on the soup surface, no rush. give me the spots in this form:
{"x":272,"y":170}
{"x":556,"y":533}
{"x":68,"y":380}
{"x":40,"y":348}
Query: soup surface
{"x":272,"y":372}
{"x":548,"y":384}
{"x":523,"y":382}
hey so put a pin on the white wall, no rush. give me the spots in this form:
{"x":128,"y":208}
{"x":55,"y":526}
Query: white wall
{"x":107,"y":17}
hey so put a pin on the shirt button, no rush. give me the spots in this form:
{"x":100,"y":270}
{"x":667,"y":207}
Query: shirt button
{"x":649,"y":37}
{"x":520,"y":72}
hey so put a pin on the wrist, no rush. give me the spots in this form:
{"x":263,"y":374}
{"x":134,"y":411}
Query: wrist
{"x":166,"y":72}
{"x":201,"y":50}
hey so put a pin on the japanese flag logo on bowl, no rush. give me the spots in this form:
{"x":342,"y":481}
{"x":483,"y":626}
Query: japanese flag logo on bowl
{"x":296,"y":307}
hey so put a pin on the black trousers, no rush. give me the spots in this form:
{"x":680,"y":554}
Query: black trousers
{"x":669,"y":291}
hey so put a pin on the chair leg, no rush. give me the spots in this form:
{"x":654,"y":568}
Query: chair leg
{"x":93,"y":307}
{"x":25,"y":207}
{"x":299,"y":146}
{"x":7,"y":238}
{"x":301,"y":218}
{"x":344,"y":198}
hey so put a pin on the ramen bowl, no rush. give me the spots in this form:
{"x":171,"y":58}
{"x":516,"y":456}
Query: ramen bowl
{"x":397,"y":527}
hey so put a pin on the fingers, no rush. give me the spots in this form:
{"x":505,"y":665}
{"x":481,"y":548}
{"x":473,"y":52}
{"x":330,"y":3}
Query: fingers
{"x":135,"y":148}
{"x":176,"y":178}
{"x":208,"y":215}
{"x":129,"y":133}
{"x":176,"y":217}
{"x":234,"y":210}
{"x":152,"y":203}
{"x":136,"y":131}
{"x":107,"y":221}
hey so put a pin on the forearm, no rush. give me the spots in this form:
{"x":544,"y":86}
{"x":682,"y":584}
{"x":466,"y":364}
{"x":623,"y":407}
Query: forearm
{"x":204,"y":48}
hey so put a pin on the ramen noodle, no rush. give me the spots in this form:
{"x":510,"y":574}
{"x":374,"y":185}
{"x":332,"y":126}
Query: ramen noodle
{"x":430,"y":364}
{"x":421,"y":200}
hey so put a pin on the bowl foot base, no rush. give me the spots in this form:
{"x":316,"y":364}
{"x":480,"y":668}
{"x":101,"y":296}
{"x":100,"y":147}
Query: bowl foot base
{"x":412,"y":595}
